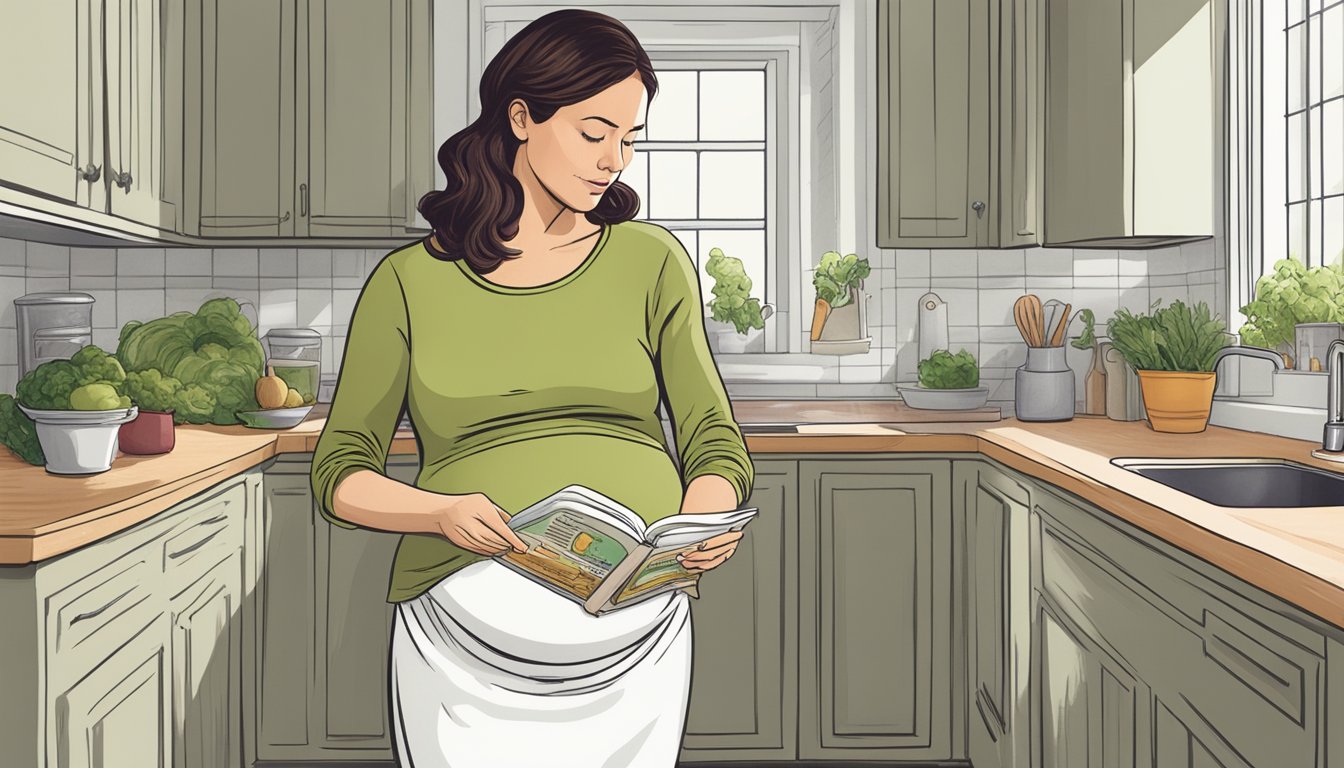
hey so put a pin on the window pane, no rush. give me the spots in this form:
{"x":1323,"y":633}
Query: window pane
{"x":1296,"y":10}
{"x":671,"y":115}
{"x":1332,"y":48}
{"x":1314,"y":59}
{"x":1314,"y":233}
{"x":1332,"y":146}
{"x":1297,"y":52}
{"x":1297,"y":187}
{"x":672,"y":185}
{"x":1313,"y":140}
{"x":745,"y":244}
{"x":732,"y":106}
{"x":1334,"y":229}
{"x":636,"y":176}
{"x":1297,"y":232}
{"x":732,"y":185}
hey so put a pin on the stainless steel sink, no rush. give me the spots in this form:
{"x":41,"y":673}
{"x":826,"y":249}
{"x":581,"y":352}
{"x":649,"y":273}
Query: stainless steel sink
{"x":1244,"y":482}
{"x":769,"y":429}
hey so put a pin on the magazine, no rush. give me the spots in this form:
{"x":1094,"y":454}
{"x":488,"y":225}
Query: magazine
{"x":600,"y":554}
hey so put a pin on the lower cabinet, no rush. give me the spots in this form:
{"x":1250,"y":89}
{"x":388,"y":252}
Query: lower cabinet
{"x":321,"y":629}
{"x":875,"y":609}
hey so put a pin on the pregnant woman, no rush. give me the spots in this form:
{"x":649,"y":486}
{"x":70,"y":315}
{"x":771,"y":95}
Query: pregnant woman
{"x":531,"y":339}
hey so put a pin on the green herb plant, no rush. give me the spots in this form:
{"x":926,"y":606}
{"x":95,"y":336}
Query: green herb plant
{"x":1177,"y":338}
{"x":836,"y":275}
{"x":732,"y":302}
{"x":944,"y":370}
{"x":1289,"y":295}
{"x":1089,"y":335}
{"x":51,"y":385}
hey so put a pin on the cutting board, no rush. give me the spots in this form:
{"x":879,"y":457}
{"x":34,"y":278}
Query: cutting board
{"x":849,"y":412}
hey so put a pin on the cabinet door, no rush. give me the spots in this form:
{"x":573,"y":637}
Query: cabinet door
{"x":1019,"y":112}
{"x":874,"y":615}
{"x":367,"y":102}
{"x":744,"y":687}
{"x":207,"y":669}
{"x":1092,"y":713}
{"x":933,"y":123}
{"x":246,"y":118}
{"x":51,"y":99}
{"x":118,"y":715}
{"x":995,"y":510}
{"x":135,"y":39}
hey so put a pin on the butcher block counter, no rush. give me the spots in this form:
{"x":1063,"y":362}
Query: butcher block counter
{"x":1295,"y":554}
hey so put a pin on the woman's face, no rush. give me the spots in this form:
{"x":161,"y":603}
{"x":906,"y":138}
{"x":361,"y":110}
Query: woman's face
{"x":583,"y":148}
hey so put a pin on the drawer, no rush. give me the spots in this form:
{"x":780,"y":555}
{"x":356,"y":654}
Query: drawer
{"x":208,"y":531}
{"x":90,"y":618}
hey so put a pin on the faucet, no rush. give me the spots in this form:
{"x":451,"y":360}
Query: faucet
{"x":1334,"y":408}
{"x":1261,"y":352}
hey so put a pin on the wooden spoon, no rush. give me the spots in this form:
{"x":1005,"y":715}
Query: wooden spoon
{"x":1021,"y":316}
{"x":1036,"y":320}
{"x":1057,"y":338}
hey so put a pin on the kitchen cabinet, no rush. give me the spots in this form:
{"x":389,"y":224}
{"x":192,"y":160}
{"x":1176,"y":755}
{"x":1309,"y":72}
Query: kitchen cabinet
{"x":959,"y":113}
{"x":94,"y":122}
{"x":323,"y":627}
{"x":127,"y":651}
{"x":991,"y":510}
{"x":1131,"y":121}
{"x":320,"y":128}
{"x":874,"y":609}
{"x":744,"y":676}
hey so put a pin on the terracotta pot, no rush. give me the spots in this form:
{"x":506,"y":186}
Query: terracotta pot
{"x":151,"y":432}
{"x":1177,"y":401}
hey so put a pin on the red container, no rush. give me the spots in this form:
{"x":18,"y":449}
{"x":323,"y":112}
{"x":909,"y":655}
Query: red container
{"x":150,"y":432}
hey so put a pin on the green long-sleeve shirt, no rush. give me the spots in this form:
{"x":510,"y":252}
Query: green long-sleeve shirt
{"x":518,"y":392}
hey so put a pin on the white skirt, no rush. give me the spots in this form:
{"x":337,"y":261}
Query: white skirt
{"x":492,"y":670}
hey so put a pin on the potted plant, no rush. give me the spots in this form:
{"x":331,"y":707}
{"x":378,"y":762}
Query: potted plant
{"x":1173,"y":350}
{"x":839,"y":325}
{"x":1293,"y":296}
{"x":947,"y":382}
{"x":736,"y":319}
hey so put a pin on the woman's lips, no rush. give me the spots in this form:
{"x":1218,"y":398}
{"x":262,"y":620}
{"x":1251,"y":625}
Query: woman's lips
{"x":596,"y":187}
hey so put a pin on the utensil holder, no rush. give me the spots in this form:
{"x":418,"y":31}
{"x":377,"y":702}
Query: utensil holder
{"x":1044,"y":386}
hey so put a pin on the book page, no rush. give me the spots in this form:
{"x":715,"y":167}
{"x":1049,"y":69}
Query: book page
{"x":660,"y":570}
{"x":571,"y":551}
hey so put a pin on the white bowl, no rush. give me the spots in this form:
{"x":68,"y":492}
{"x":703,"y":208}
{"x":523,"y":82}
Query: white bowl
{"x":79,"y":442}
{"x":965,"y":399}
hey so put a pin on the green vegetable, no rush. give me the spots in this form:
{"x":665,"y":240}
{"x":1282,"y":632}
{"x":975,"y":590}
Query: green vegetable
{"x":214,"y":350}
{"x":1292,"y":294}
{"x":944,"y":370}
{"x":1178,"y":338}
{"x":1089,"y":336}
{"x":18,"y":432}
{"x":732,"y":302}
{"x":153,"y":391}
{"x":49,"y":385}
{"x":836,"y":275}
{"x":98,"y":396}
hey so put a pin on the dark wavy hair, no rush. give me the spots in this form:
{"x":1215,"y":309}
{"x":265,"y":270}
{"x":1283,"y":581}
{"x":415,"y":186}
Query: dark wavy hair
{"x":560,"y":59}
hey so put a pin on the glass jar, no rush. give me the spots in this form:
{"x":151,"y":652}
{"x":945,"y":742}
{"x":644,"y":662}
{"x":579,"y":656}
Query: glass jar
{"x":295,"y":355}
{"x":1313,"y":339}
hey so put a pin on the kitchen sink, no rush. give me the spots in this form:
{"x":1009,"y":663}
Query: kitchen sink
{"x":769,"y":429}
{"x":1244,"y":482}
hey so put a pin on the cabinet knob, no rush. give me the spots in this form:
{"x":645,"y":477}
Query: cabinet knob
{"x":123,"y":180}
{"x":979,"y":207}
{"x":89,"y":172}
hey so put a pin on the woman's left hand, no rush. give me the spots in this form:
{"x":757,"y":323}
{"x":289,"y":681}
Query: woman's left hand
{"x":712,"y":553}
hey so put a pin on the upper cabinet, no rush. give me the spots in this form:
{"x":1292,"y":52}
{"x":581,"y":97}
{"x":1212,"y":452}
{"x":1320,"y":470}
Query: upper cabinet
{"x":200,"y":122}
{"x":1130,"y":123}
{"x":958,"y":116}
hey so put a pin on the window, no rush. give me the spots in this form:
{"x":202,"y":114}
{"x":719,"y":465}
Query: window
{"x":703,"y":167}
{"x":1302,"y":140}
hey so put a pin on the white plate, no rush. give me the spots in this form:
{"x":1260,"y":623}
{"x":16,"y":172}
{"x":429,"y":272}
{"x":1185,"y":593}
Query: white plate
{"x":74,"y":417}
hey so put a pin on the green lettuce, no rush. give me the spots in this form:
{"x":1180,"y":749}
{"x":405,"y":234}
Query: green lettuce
{"x":732,"y":302}
{"x":1292,"y":294}
{"x":944,"y":370}
{"x":836,"y":274}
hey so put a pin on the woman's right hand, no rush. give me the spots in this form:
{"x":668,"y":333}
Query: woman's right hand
{"x":475,"y":523}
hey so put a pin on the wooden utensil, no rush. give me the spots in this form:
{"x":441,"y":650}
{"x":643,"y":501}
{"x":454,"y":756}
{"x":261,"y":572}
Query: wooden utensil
{"x":1022,"y":316}
{"x":1036,"y":320}
{"x":1057,"y":338}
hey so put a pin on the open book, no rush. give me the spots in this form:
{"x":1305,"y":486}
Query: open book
{"x":598,"y":553}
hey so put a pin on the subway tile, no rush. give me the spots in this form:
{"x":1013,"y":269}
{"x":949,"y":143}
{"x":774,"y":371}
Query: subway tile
{"x":1205,"y":293}
{"x":1165,"y":280}
{"x":140,"y":281}
{"x":1132,"y":262}
{"x":1102,"y":301}
{"x":236,"y":283}
{"x":183,"y":262}
{"x":235,"y":262}
{"x":347,"y":263}
{"x":1095,"y":263}
{"x":93,"y":282}
{"x":963,"y":334}
{"x":13,"y":253}
{"x":188,"y":281}
{"x":996,"y":305}
{"x":11,"y":288}
{"x":140,"y":262}
{"x":1166,"y":294}
{"x":140,"y":305}
{"x":1134,"y":299}
{"x":315,"y":262}
{"x":9,"y":376}
{"x":861,"y":374}
{"x":337,"y":352}
{"x":953,"y":263}
{"x":963,"y":305}
{"x":43,"y":284}
{"x":1017,"y":283}
{"x":1096,"y":281}
{"x":314,"y":281}
{"x":1007,"y":262}
{"x":343,"y":305}
{"x":943,"y":283}
{"x":347,"y":283}
{"x":1002,"y":354}
{"x":93,"y":261}
{"x":279,"y":308}
{"x":186,"y":298}
{"x":911,"y":263}
{"x":314,"y":307}
{"x":278,"y":262}
{"x":104,"y":308}
{"x":1049,"y":262}
{"x":1166,"y":261}
{"x":46,"y":260}
{"x":1199,"y":255}
{"x":1049,"y":283}
{"x":106,"y":339}
{"x":1000,"y":334}
{"x":327,"y":356}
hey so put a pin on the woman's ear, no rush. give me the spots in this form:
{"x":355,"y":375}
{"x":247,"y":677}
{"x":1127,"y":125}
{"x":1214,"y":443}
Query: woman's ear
{"x":518,"y":119}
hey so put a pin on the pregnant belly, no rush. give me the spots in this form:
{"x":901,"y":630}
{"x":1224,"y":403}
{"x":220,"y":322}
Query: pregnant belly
{"x":517,"y":474}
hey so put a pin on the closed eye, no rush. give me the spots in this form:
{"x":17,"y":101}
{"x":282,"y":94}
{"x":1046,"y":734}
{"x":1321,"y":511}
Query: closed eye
{"x":597,"y":139}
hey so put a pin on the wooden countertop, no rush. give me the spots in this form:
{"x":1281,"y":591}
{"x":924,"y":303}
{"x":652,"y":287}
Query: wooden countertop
{"x":1296,"y":554}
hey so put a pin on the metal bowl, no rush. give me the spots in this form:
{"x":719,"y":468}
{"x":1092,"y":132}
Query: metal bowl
{"x":275,"y":418}
{"x":965,"y":399}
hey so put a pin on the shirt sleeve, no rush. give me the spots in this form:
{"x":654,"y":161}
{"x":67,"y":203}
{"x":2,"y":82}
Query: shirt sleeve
{"x":370,"y":392}
{"x":709,"y":441}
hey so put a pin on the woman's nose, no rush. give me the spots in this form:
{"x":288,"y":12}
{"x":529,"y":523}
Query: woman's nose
{"x":612,"y":160}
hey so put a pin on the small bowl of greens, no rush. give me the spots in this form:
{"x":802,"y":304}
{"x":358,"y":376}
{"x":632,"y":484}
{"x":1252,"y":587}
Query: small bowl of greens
{"x":947,"y":382}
